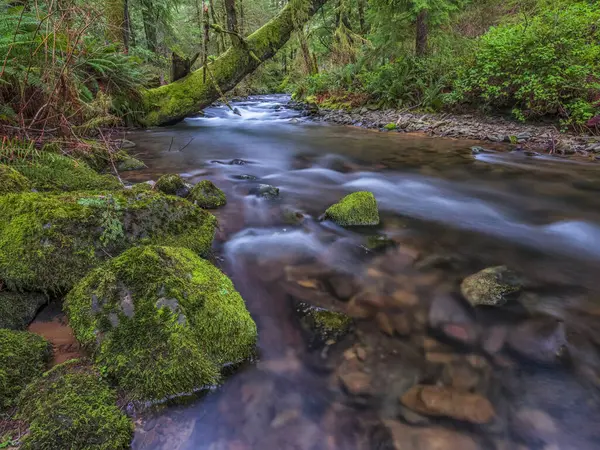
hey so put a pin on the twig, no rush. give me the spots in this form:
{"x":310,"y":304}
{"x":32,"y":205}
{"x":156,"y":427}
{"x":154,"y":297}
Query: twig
{"x":182,"y":148}
{"x":172,"y":137}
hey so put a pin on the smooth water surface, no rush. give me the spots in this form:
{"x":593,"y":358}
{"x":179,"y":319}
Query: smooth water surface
{"x":446,"y":214}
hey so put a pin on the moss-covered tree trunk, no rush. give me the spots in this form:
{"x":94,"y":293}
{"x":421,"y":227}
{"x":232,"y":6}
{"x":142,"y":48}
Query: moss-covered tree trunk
{"x":173,"y":102}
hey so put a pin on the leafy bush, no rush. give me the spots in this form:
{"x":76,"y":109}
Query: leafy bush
{"x":545,"y":66}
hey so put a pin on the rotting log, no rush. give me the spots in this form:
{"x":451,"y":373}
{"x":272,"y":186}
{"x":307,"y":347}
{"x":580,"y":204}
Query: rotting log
{"x":173,"y":102}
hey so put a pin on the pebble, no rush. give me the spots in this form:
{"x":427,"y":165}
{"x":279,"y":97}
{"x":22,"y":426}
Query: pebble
{"x":356,"y":383}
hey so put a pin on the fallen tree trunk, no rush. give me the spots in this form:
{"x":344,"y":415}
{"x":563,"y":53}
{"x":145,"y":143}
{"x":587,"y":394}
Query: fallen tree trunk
{"x":174,"y":101}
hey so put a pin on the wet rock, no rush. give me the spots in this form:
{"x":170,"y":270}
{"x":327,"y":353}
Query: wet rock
{"x":245,"y":177}
{"x":461,"y":376}
{"x":233,"y":162}
{"x":476,"y":150}
{"x":206,"y":195}
{"x":343,"y":286}
{"x":446,"y":310}
{"x":534,"y":426}
{"x":448,"y":402}
{"x":128,"y":163}
{"x":542,"y":340}
{"x":490,"y":287}
{"x":126,"y":144}
{"x":173,"y":184}
{"x":265,"y":191}
{"x":405,"y":437}
{"x":494,"y":339}
{"x":356,"y":209}
{"x":357,"y":383}
{"x":321,"y":326}
{"x":17,"y":309}
{"x":378,"y":243}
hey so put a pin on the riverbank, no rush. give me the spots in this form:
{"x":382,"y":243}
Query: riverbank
{"x":537,"y":137}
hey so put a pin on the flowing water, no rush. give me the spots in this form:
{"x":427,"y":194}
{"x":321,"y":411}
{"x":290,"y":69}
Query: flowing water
{"x":519,"y":376}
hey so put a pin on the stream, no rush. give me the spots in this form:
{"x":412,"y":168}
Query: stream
{"x":446,"y":213}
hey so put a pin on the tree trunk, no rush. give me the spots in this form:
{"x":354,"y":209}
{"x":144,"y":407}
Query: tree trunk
{"x":115,"y":21}
{"x":221,"y":37}
{"x":308,"y":61}
{"x":422,"y":33}
{"x":149,"y":27}
{"x":126,"y":27}
{"x":232,"y":23}
{"x":180,"y":66}
{"x":173,"y":102}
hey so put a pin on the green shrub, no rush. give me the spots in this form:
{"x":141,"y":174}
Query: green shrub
{"x":547,"y":65}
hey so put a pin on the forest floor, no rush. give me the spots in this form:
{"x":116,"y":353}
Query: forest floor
{"x":534,"y":137}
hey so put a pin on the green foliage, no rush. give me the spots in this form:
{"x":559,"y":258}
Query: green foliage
{"x":356,"y":209}
{"x":23,"y":357}
{"x":545,"y":65}
{"x":206,"y":195}
{"x":71,"y":407}
{"x":161,"y":320}
{"x":49,"y":242}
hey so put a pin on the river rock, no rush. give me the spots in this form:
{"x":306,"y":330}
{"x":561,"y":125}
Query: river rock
{"x":542,"y":340}
{"x":406,"y":437}
{"x":18,"y":309}
{"x":126,"y":144}
{"x":534,"y":426}
{"x":322,"y":326}
{"x":127,"y":163}
{"x":167,"y":302}
{"x":172,"y":184}
{"x":449,"y":402}
{"x":206,"y":195}
{"x":356,"y":209}
{"x":265,"y":191}
{"x":245,"y":177}
{"x":490,"y":287}
{"x":357,"y":383}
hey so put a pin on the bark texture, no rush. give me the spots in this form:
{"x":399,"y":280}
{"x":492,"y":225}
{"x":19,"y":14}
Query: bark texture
{"x":173,"y":102}
{"x":422,"y":33}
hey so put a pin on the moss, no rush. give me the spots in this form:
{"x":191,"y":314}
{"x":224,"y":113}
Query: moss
{"x":172,"y":184}
{"x":161,"y":320}
{"x":71,"y":407}
{"x":17,"y":310}
{"x":323,"y":326}
{"x":49,"y":242}
{"x":12,"y":181}
{"x":127,"y":163}
{"x":390,"y":126}
{"x":491,"y":286}
{"x":358,"y":208}
{"x":23,"y":357}
{"x":50,"y":172}
{"x":206,"y":195}
{"x":140,"y":187}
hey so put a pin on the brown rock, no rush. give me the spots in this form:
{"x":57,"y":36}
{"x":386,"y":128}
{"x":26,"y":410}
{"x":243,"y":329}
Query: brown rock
{"x":405,"y":437}
{"x":384,"y":323}
{"x":443,"y":401}
{"x":461,"y":376}
{"x":342,"y":286}
{"x":405,"y":298}
{"x":494,"y":339}
{"x":356,"y":383}
{"x":441,"y":358}
{"x":401,"y":324}
{"x":463,"y":333}
{"x":361,"y":353}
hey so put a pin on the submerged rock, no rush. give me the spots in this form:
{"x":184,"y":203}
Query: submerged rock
{"x":162,"y":321}
{"x":17,"y":309}
{"x":172,"y":184}
{"x":542,"y":340}
{"x":23,"y":357}
{"x":265,"y":191}
{"x":12,"y":182}
{"x":356,"y":209}
{"x":245,"y":177}
{"x":49,"y":242}
{"x":490,"y":287}
{"x":206,"y":195}
{"x":71,"y":406}
{"x":322,"y":326}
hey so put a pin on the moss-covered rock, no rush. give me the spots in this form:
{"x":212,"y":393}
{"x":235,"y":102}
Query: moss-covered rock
{"x":51,"y":172}
{"x":491,"y":287}
{"x":23,"y":357}
{"x":141,"y":187}
{"x":356,"y":209}
{"x":322,"y":326}
{"x":172,"y":184}
{"x":11,"y":181}
{"x":49,"y":242}
{"x":71,"y":407}
{"x":265,"y":191}
{"x":206,"y":195}
{"x":390,"y":126}
{"x":17,"y":310}
{"x":126,"y":163}
{"x":161,"y":320}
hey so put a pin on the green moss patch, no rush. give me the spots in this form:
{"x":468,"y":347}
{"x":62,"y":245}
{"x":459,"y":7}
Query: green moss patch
{"x":490,"y":287}
{"x":71,"y":407}
{"x":322,"y":326}
{"x":51,"y":172}
{"x":356,"y":209}
{"x":172,"y":184}
{"x":206,"y":195}
{"x":23,"y":357}
{"x":161,"y":320}
{"x":17,"y":310}
{"x":49,"y":242}
{"x":126,"y":163}
{"x":12,"y":181}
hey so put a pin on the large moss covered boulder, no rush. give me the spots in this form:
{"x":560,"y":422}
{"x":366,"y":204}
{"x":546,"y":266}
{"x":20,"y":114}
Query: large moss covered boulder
{"x":490,"y":287}
{"x":17,"y":309}
{"x":356,"y":209}
{"x":161,"y":320}
{"x":23,"y":357}
{"x":12,"y":181}
{"x":49,"y":242}
{"x":206,"y":195}
{"x":172,"y":184}
{"x":52,"y":172}
{"x":71,"y":407}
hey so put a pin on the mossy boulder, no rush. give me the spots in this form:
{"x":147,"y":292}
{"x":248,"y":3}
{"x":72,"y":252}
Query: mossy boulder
{"x":126,"y":163}
{"x":49,"y":242}
{"x":17,"y":310}
{"x":172,"y":184}
{"x":23,"y":357}
{"x":490,"y":287}
{"x":161,"y":320}
{"x":356,"y":209}
{"x":265,"y":191}
{"x":206,"y":195}
{"x":12,"y":181}
{"x":51,"y":172}
{"x":322,"y":326}
{"x":72,"y":407}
